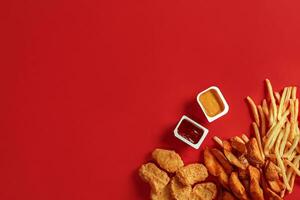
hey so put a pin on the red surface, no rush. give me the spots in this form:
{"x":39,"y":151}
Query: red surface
{"x":90,"y":88}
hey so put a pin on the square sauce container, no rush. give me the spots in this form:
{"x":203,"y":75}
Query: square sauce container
{"x":190,"y":132}
{"x":212,"y":103}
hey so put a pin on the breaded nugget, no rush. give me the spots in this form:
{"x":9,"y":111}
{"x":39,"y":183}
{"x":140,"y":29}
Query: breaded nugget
{"x":237,"y":187}
{"x":222,"y":160}
{"x":180,"y":191}
{"x":254,"y":154}
{"x":192,"y":173}
{"x":164,"y":194}
{"x":167,"y":160}
{"x":271,"y":172}
{"x":157,"y":178}
{"x":204,"y":191}
{"x":227,"y":196}
{"x":256,"y":191}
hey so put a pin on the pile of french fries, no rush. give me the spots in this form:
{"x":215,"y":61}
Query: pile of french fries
{"x":265,"y":165}
{"x":277,"y":132}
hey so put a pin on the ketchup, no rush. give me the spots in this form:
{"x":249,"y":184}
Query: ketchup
{"x":190,"y":131}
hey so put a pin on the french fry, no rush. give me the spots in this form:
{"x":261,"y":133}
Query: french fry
{"x":294,"y":93}
{"x":218,"y":141}
{"x":293,"y":166}
{"x":271,"y":117}
{"x":258,"y":138}
{"x":277,"y":97}
{"x":273,"y":133}
{"x":293,"y":147}
{"x":245,"y":138}
{"x":263,"y":121}
{"x":281,"y":104}
{"x":284,"y":139}
{"x":271,"y":96}
{"x":253,"y":110}
{"x":265,"y":107}
{"x":287,"y":99}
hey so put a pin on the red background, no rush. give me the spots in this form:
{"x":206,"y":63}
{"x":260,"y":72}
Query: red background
{"x":89,"y":88}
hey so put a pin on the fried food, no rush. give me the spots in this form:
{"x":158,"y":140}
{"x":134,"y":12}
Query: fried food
{"x":214,"y":168}
{"x":227,"y":196}
{"x":204,"y":191}
{"x":253,"y":110}
{"x":227,"y":146}
{"x":256,"y":191}
{"x":238,"y":145}
{"x":237,"y":187}
{"x":167,"y":160}
{"x":272,"y":195}
{"x":222,"y":160}
{"x":180,"y":191}
{"x":157,"y":178}
{"x":211,"y":163}
{"x":192,"y":173}
{"x":277,"y":186}
{"x":233,"y":159}
{"x":164,"y":194}
{"x":271,"y":172}
{"x":254,"y":155}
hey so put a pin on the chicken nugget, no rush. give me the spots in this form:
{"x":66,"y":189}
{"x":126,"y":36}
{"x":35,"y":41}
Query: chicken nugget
{"x":167,"y":159}
{"x":157,"y":178}
{"x":192,"y":173}
{"x":256,"y":191}
{"x":254,"y":154}
{"x":164,"y":194}
{"x":180,"y":191}
{"x":204,"y":191}
{"x":227,"y":196}
{"x":222,"y":160}
{"x":237,"y":187}
{"x":271,"y":172}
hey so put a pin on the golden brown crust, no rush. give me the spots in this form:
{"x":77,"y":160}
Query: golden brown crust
{"x":271,"y":172}
{"x":238,"y":145}
{"x":167,"y":159}
{"x":192,"y":173}
{"x":178,"y":190}
{"x":256,"y":191}
{"x":234,"y":160}
{"x":204,"y":191}
{"x":254,"y":154}
{"x":156,"y":177}
{"x":237,"y":187}
{"x":227,"y":196}
{"x":222,"y":160}
{"x":164,"y":194}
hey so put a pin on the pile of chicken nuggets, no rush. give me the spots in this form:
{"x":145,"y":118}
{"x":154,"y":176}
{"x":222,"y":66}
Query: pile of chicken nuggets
{"x":169,"y":179}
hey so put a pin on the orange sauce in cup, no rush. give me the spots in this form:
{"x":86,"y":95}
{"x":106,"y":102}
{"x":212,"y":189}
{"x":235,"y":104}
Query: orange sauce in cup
{"x":211,"y":102}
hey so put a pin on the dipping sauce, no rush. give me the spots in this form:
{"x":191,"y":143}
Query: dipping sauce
{"x":211,"y":102}
{"x":190,"y":131}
